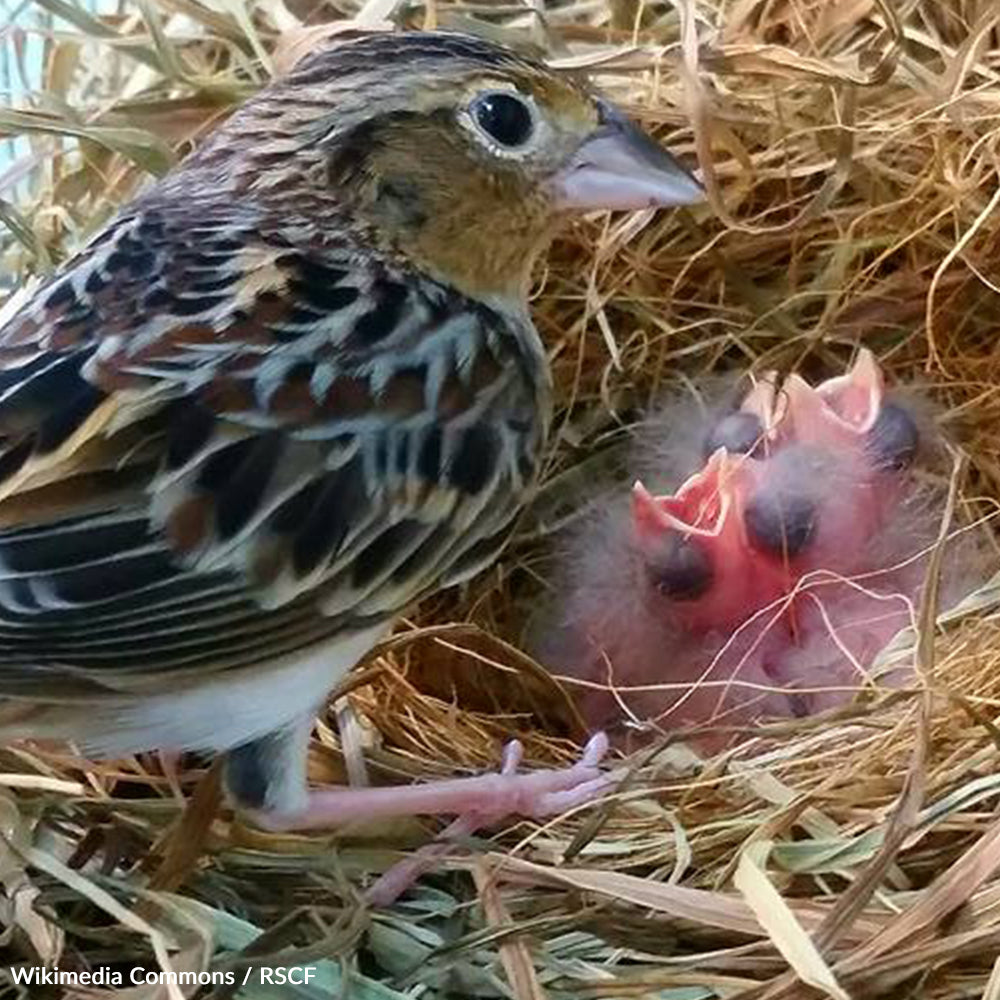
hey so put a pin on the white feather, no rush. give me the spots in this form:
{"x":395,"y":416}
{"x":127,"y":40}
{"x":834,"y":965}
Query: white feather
{"x":228,"y":710}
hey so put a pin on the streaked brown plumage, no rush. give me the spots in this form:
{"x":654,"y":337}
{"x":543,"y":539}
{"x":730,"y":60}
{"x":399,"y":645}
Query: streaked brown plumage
{"x":286,"y":392}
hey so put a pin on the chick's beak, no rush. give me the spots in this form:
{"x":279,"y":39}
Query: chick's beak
{"x":619,"y":167}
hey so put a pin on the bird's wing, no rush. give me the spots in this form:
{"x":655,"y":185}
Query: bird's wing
{"x":207,"y":435}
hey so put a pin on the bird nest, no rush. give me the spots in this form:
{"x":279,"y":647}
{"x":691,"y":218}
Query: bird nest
{"x":851,"y":152}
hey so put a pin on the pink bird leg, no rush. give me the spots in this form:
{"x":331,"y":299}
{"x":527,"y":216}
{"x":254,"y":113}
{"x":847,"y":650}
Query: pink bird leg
{"x":550,"y":794}
{"x":476,"y":801}
{"x":489,"y":796}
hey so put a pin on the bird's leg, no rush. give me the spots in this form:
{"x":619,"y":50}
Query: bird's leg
{"x":486,"y":798}
{"x":170,"y":762}
{"x":264,"y":779}
{"x":401,"y":876}
{"x":477,"y":802}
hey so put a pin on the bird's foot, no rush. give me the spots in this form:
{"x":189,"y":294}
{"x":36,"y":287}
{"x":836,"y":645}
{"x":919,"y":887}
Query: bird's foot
{"x":491,"y":798}
{"x":477,"y":802}
{"x":536,"y":796}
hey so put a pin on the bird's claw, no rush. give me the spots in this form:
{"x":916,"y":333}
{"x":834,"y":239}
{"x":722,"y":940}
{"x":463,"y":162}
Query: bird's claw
{"x":542,"y":793}
{"x":497,"y":796}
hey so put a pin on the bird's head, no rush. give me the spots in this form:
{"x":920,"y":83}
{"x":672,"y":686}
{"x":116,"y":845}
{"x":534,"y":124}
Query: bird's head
{"x":451,"y":150}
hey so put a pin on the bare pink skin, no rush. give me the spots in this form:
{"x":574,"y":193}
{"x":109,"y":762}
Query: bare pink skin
{"x":477,"y":802}
{"x":765,"y":585}
{"x":708,"y":509}
{"x":489,"y":796}
{"x":486,"y":800}
{"x":821,"y":432}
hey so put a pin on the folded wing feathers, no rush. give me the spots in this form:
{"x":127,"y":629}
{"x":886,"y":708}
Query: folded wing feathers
{"x":287,"y":450}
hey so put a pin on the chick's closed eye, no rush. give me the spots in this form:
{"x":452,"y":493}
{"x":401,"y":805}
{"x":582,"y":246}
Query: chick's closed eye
{"x":768,"y":582}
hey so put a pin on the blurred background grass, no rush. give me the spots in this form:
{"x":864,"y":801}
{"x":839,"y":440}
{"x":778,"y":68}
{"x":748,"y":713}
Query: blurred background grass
{"x":21,"y":75}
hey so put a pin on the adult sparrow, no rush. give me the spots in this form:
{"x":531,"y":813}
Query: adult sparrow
{"x":286,"y":392}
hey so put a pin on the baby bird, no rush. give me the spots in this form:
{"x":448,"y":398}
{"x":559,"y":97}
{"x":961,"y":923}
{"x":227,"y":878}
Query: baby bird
{"x":769,"y":581}
{"x":289,"y":390}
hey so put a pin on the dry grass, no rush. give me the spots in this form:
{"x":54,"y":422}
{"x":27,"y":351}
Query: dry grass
{"x":852,"y":153}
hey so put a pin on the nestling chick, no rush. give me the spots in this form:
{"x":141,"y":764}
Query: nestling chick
{"x":769,"y":581}
{"x":284,"y":394}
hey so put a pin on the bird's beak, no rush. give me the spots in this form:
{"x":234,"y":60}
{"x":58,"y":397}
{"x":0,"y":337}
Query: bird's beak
{"x":619,"y":167}
{"x":701,"y":506}
{"x":856,"y":398}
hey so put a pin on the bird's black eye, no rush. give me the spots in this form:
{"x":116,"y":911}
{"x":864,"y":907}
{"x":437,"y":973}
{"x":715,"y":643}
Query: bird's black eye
{"x":505,"y":118}
{"x":781,"y":523}
{"x":894,"y":440}
{"x":740,"y":433}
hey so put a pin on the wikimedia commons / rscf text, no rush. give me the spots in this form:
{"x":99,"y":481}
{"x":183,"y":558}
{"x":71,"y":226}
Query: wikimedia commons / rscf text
{"x":138,"y":976}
